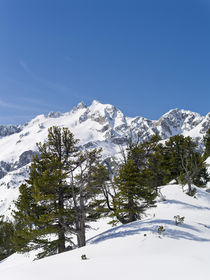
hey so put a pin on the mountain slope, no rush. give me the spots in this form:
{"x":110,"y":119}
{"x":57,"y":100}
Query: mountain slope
{"x":135,"y":250}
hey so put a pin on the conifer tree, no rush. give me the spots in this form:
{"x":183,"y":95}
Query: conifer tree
{"x":86,"y":186}
{"x":207,"y":144}
{"x":132,"y":197}
{"x":6,"y":235}
{"x":172,"y":156}
{"x":155,"y":172}
{"x":135,"y":185}
{"x":185,"y":162}
{"x":44,"y":210}
{"x":60,"y":197}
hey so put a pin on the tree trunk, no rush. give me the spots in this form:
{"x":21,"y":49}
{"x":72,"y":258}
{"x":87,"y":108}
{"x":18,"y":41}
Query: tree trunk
{"x":189,"y":185}
{"x":61,"y":240}
{"x":81,"y":237}
{"x":61,"y":230}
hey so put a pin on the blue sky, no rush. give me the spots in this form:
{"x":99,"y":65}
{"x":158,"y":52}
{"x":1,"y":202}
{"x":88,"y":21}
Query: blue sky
{"x":143,"y":56}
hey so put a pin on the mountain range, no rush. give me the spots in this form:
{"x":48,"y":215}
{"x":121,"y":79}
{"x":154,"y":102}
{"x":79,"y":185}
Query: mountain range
{"x":97,"y":125}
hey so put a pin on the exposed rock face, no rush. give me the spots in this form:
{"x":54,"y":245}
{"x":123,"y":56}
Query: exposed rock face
{"x":25,"y":158}
{"x":6,"y":130}
{"x":177,"y":122}
{"x":5,"y":167}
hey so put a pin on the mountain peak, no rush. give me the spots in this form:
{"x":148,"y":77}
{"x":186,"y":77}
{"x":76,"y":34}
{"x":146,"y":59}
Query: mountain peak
{"x":95,"y":102}
{"x":81,"y":105}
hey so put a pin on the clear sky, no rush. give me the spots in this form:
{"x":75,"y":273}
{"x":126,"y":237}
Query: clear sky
{"x":143,"y":56}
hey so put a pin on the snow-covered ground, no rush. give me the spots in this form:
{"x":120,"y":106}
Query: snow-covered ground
{"x":135,"y":250}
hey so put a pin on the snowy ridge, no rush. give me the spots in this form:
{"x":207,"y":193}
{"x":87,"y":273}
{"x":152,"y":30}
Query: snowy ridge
{"x":135,"y":250}
{"x":99,"y":124}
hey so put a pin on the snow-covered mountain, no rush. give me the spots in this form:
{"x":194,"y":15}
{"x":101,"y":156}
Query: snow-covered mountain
{"x":98,"y":125}
{"x":136,"y":250}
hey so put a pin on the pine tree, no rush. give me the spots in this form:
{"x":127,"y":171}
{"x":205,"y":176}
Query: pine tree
{"x":207,"y":144}
{"x":44,"y":212}
{"x":155,"y":172}
{"x":60,"y":197}
{"x":86,"y":188}
{"x":155,"y":169}
{"x":173,"y":150}
{"x":132,"y":197}
{"x":135,"y":184}
{"x":6,"y":235}
{"x":185,"y":162}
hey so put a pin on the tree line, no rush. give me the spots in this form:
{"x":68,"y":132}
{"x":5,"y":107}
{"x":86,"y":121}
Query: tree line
{"x":68,"y":188}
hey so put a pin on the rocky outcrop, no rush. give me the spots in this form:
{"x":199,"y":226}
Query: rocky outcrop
{"x":6,"y":130}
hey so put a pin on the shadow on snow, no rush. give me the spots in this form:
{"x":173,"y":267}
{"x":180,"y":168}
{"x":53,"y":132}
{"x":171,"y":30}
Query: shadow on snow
{"x":186,"y":205}
{"x":138,"y":227}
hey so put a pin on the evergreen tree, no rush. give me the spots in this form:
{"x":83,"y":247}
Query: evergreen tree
{"x":155,"y":170}
{"x":132,"y":197}
{"x":6,"y":235}
{"x":60,"y":197}
{"x":44,"y":211}
{"x":185,"y":162}
{"x":135,"y":185}
{"x":207,"y":144}
{"x":172,"y":156}
{"x":86,"y":186}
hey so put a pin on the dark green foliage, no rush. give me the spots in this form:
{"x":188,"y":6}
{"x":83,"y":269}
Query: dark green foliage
{"x":161,"y":230}
{"x":135,"y":186}
{"x":132,"y":197}
{"x":149,"y":165}
{"x":6,"y":235}
{"x":83,"y":257}
{"x":136,"y":182}
{"x":44,"y":213}
{"x":60,"y":197}
{"x":172,"y":155}
{"x":185,"y":162}
{"x":155,"y":170}
{"x":148,"y":157}
{"x":178,"y":220}
{"x":206,"y":141}
{"x":202,"y":177}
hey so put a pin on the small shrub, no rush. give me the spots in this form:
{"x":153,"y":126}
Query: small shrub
{"x":160,"y":230}
{"x":192,"y":192}
{"x":178,"y":220}
{"x":83,"y":257}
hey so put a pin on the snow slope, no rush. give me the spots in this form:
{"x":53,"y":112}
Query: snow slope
{"x":135,"y":250}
